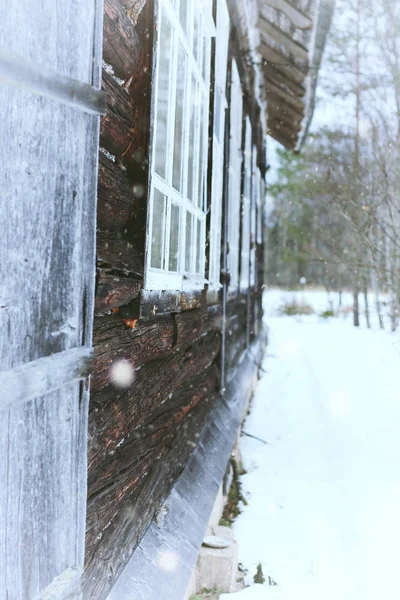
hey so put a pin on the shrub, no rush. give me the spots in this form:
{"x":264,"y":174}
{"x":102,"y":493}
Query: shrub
{"x":296,"y":308}
{"x":327,"y":314}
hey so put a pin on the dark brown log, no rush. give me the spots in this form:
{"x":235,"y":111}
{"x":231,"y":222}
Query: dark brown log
{"x":135,"y":454}
{"x":116,"y":339}
{"x":105,"y":540}
{"x":142,"y":341}
{"x":158,"y":303}
{"x":118,"y":253}
{"x":113,"y":291}
{"x":190,"y":300}
{"x":115,"y":413}
{"x":115,"y":196}
{"x":116,"y":127}
{"x":121,"y":45}
{"x":133,"y":8}
{"x":189,"y":326}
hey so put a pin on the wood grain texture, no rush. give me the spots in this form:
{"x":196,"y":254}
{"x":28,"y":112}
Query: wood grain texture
{"x":121,"y":47}
{"x":189,"y":504}
{"x":141,"y":437}
{"x":47,"y":183}
{"x":139,"y":476}
{"x":117,"y":252}
{"x":117,"y":125}
{"x":114,"y":413}
{"x":115,"y":196}
{"x":115,"y":340}
{"x":114,"y":291}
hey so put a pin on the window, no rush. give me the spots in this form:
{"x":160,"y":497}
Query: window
{"x":235,"y":177}
{"x":246,"y":211}
{"x":175,"y":256}
{"x":255,"y":193}
{"x":260,"y":206}
{"x":220,"y":104}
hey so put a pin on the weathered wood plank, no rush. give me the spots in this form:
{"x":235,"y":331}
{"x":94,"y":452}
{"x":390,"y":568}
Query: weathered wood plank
{"x":281,"y":79}
{"x":281,"y":62}
{"x":44,"y":375}
{"x":114,"y":291}
{"x":273,"y":32}
{"x":282,"y":112}
{"x":143,"y":498}
{"x":160,"y":302}
{"x":121,"y":45}
{"x":115,"y":413}
{"x":48,"y":154}
{"x":116,"y":129}
{"x":49,"y":40}
{"x":125,"y":465}
{"x":138,"y":342}
{"x":189,"y":505}
{"x":26,"y":75}
{"x":288,"y":97}
{"x":287,"y":142}
{"x":118,"y":252}
{"x":189,"y":325}
{"x":297,"y":17}
{"x":285,"y":127}
{"x":115,"y":196}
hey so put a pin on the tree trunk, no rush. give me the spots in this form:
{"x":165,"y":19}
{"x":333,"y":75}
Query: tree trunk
{"x":377,"y":300}
{"x":365,"y":291}
{"x":356,"y":309}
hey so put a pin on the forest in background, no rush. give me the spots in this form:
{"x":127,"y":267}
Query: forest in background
{"x":335,"y":216}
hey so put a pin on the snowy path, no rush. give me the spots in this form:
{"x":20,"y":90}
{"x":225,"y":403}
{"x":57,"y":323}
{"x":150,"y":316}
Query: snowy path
{"x":324,"y":493}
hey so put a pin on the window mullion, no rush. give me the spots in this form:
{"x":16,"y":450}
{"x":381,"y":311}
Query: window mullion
{"x":172,"y":107}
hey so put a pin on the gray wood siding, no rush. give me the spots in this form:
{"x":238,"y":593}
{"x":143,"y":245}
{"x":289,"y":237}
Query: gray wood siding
{"x":50,"y":54}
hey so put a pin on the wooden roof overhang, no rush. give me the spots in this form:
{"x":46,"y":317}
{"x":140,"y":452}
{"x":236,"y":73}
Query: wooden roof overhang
{"x":292,"y":36}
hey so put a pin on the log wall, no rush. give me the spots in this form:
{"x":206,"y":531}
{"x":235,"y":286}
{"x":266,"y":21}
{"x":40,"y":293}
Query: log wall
{"x":140,"y":437}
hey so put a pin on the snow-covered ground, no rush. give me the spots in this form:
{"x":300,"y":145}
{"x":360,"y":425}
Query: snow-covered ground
{"x":323,"y":513}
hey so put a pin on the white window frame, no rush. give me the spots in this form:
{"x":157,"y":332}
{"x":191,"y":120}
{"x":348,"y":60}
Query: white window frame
{"x":220,"y":106}
{"x":260,"y":206}
{"x":255,"y":194}
{"x":235,"y":178}
{"x":246,"y":210}
{"x":182,"y":279}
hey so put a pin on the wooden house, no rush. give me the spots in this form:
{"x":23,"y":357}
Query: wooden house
{"x":130,"y":337}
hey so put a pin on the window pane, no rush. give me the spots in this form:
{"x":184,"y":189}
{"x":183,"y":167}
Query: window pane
{"x":195,"y":47}
{"x":202,"y":161}
{"x":192,"y":155}
{"x":179,"y":120}
{"x":205,"y":57}
{"x":183,"y":14}
{"x":158,"y":230}
{"x":199,"y":247}
{"x":164,"y":53}
{"x":189,"y":243}
{"x":217,"y":114}
{"x":174,"y":238}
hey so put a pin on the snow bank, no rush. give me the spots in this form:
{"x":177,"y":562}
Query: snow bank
{"x":255,"y":592}
{"x":323,"y":494}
